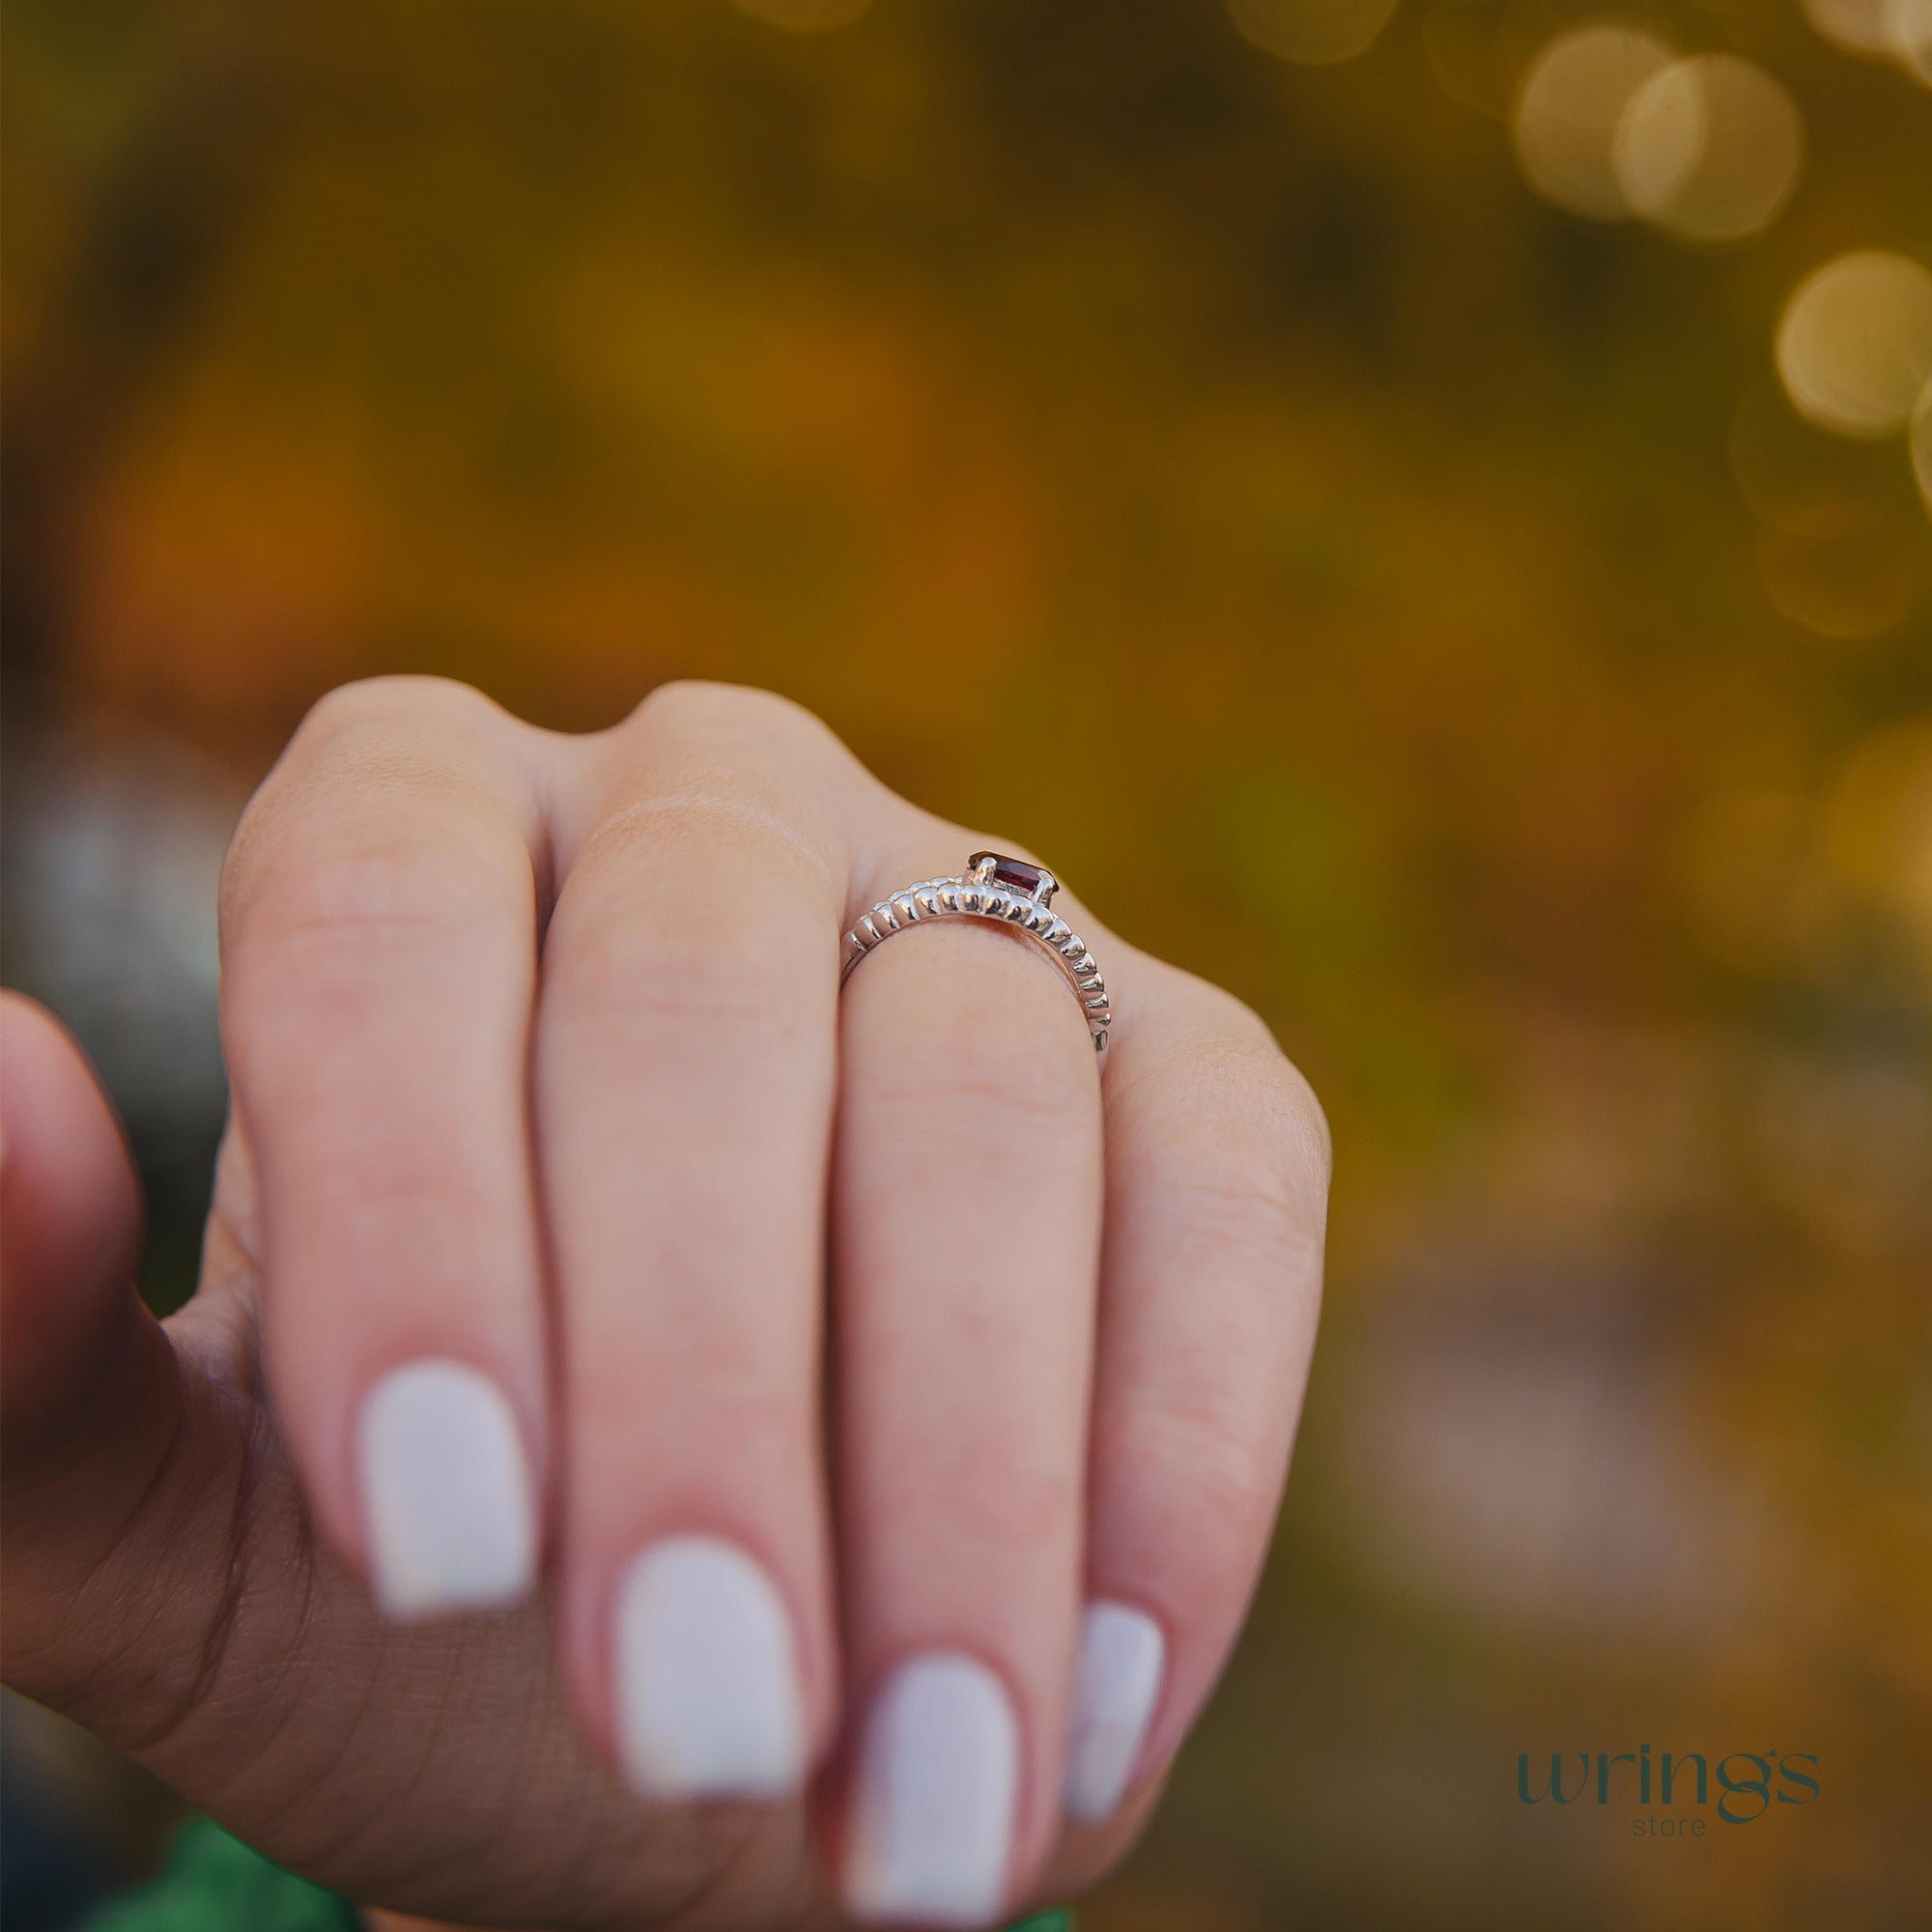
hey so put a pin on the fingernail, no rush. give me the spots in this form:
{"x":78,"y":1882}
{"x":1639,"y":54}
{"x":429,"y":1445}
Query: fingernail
{"x":933,"y":1820}
{"x":708,"y":1699}
{"x":1117,"y":1679}
{"x":451,"y":1515}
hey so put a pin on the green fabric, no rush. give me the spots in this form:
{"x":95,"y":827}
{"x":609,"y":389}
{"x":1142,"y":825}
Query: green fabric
{"x":215,"y":1883}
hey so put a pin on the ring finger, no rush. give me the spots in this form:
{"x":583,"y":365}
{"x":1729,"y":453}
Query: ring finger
{"x":966,"y":1233}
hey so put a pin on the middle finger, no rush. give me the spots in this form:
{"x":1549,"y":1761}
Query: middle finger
{"x":684,"y":1088}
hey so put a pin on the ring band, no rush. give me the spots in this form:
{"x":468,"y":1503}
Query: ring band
{"x":1011,"y":891}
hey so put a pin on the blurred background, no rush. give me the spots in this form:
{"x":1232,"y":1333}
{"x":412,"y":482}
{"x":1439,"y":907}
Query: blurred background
{"x":1452,"y":477}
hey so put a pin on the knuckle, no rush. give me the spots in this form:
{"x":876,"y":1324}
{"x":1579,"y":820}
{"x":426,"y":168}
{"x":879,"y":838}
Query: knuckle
{"x":737,"y":713}
{"x":982,"y":1106}
{"x":1031,"y":1515}
{"x":1268,"y":1110}
{"x":397,"y":696}
{"x":1218,"y":1477}
{"x":704,"y":706}
{"x":1238,"y":1021}
{"x":647,"y":980}
{"x":386,"y":810}
{"x":684,"y":845}
{"x":636,"y":969}
{"x":1247,"y":1210}
{"x":332,"y":888}
{"x":1281,"y":1090}
{"x":1030,"y":1512}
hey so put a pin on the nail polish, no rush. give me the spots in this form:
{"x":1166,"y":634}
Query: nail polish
{"x":938,"y":1773}
{"x":708,"y":1696}
{"x":449,"y":1504}
{"x":1115,"y":1685}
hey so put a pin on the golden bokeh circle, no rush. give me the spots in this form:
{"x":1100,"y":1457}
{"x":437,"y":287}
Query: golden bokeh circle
{"x":1709,"y":149}
{"x":1568,"y":109}
{"x":1855,"y":342}
{"x":1858,"y":26}
{"x":1909,"y":25}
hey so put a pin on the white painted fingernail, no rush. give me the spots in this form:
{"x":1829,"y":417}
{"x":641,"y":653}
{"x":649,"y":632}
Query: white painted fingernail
{"x":452,"y":1513}
{"x":708,"y":1698}
{"x":932,"y":1823}
{"x":1115,"y":1686}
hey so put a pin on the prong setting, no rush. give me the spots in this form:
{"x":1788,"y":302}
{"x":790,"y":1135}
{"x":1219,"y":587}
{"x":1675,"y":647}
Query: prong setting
{"x":1013,"y":892}
{"x":1018,"y":876}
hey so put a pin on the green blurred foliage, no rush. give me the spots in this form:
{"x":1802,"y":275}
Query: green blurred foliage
{"x":1360,"y":543}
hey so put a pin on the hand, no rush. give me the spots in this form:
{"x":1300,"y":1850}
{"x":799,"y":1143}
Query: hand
{"x":624,"y":1369}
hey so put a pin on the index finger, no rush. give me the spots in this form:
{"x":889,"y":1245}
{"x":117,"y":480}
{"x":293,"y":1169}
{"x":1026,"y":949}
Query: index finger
{"x":380,"y":918}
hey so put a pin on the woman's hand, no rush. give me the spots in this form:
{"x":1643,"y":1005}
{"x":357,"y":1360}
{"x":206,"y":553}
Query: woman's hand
{"x":655,"y":1442}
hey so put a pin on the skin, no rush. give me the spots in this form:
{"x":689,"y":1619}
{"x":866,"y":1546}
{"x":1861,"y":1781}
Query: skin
{"x":518,"y":1025}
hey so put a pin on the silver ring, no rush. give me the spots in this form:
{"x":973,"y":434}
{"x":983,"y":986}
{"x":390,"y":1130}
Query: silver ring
{"x":1009,"y":891}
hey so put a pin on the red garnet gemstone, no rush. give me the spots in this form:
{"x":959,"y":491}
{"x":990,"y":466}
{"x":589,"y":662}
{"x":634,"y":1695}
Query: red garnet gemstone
{"x":1017,"y":875}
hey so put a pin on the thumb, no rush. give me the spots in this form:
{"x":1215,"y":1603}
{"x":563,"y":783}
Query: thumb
{"x":69,"y":1233}
{"x":90,"y":1393}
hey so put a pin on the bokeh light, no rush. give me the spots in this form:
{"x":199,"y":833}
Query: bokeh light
{"x":1567,"y":111}
{"x":1858,"y":26}
{"x":1314,"y":33}
{"x":1910,"y":32}
{"x":1885,"y":30}
{"x":805,"y":16}
{"x":1709,"y":149}
{"x":1854,"y":343}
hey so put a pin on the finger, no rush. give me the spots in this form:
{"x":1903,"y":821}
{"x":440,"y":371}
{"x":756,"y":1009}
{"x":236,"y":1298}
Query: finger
{"x":92,"y":1403}
{"x":967,"y":1210}
{"x":684,"y":1088}
{"x":379,"y":913}
{"x":126,"y":1470}
{"x":161,"y":1587}
{"x":69,"y":1239}
{"x":1217,"y":1170}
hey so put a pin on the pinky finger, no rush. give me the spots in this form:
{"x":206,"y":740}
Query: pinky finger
{"x":1217,"y":1182}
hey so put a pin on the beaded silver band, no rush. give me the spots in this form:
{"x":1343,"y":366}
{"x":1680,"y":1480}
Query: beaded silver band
{"x":1011,"y":891}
